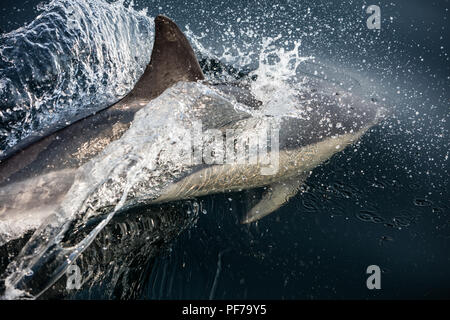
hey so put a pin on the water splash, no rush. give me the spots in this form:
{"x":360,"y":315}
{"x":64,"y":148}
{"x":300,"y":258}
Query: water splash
{"x":76,"y":57}
{"x":130,"y":171}
{"x":278,"y":81}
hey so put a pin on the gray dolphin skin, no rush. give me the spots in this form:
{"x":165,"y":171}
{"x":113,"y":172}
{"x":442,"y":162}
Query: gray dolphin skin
{"x":36,"y":175}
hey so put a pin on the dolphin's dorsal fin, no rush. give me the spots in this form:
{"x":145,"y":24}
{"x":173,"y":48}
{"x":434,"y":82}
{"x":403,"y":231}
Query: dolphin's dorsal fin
{"x":172,"y":60}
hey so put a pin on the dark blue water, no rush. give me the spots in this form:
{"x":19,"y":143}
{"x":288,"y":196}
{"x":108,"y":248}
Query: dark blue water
{"x":386,"y":204}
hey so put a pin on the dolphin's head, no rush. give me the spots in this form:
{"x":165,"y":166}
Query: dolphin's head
{"x":323,"y":115}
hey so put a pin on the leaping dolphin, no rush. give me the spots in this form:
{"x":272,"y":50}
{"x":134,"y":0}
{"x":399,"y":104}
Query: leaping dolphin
{"x":36,"y":175}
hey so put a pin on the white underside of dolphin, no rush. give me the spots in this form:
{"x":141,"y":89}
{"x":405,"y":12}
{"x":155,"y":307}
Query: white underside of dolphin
{"x":294,"y":166}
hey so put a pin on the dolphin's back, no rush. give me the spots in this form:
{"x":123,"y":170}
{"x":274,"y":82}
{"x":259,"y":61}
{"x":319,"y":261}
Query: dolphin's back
{"x":172,"y":60}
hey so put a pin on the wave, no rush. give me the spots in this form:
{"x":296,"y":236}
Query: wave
{"x":74,"y":58}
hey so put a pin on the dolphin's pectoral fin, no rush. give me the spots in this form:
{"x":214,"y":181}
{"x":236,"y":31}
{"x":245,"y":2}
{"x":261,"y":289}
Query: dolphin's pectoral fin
{"x":276,"y":196}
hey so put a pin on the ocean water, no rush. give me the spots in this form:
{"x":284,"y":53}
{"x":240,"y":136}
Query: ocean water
{"x":382,"y":202}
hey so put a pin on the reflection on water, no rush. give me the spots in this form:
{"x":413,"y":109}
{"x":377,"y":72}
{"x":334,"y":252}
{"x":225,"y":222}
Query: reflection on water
{"x":116,"y":264}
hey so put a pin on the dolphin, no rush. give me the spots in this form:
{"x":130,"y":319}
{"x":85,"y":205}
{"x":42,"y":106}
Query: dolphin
{"x":37,"y":174}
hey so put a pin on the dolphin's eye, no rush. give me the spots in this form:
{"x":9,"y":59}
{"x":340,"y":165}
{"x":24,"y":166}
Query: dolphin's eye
{"x":373,"y":100}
